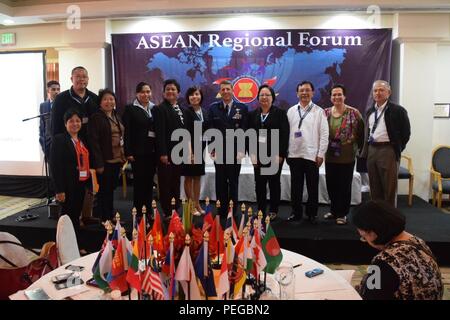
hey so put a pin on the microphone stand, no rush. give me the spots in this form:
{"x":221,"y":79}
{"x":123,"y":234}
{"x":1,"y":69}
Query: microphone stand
{"x":49,"y":200}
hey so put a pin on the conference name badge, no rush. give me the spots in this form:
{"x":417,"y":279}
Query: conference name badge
{"x":151,"y":134}
{"x":298,"y":134}
{"x":85,"y":120}
{"x":83,"y":174}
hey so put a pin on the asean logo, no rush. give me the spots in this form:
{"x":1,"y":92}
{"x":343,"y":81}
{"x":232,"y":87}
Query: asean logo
{"x":245,"y":89}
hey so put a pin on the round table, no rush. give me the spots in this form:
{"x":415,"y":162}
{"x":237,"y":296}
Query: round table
{"x":328,"y":286}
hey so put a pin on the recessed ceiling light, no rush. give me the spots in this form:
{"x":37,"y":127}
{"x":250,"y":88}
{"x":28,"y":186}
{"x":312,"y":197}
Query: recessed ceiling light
{"x":8,"y":22}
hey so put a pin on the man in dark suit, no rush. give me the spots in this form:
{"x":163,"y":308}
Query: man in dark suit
{"x":45,"y":108}
{"x":386,"y":135}
{"x":223,"y":115}
{"x":170,"y":118}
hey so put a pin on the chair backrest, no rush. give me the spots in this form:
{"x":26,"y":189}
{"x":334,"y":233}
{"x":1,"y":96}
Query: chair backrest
{"x":14,"y":278}
{"x":13,"y":253}
{"x":441,"y":161}
{"x":66,"y":240}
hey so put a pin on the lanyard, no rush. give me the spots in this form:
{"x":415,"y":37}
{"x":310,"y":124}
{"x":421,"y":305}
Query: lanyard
{"x":264,"y":118}
{"x":345,"y":117}
{"x":82,"y":159}
{"x":147,"y":110}
{"x":304,"y":116}
{"x":377,"y":118}
{"x":199,"y":115}
{"x":78,"y":101}
{"x":116,"y":122}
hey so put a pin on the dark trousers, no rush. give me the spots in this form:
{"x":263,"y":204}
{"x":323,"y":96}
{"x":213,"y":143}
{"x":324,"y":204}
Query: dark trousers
{"x":74,"y":203}
{"x":107,"y":181}
{"x":227,"y":186}
{"x":261,"y":182}
{"x":169,"y":186}
{"x":339,"y":177}
{"x":301,"y":169}
{"x":144,"y":169}
{"x":382,"y":166}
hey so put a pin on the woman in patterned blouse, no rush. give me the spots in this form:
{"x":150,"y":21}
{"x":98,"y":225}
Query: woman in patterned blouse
{"x":346,"y":134}
{"x":405,"y":268}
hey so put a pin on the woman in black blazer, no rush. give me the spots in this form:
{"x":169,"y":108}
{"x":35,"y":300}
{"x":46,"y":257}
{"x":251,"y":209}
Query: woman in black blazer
{"x":170,"y":118}
{"x":269,"y":117}
{"x":70,"y":167}
{"x":139,"y":120}
{"x":105,"y":134}
{"x":195,"y":115}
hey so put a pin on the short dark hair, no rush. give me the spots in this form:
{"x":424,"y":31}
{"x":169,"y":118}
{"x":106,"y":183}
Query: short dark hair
{"x":70,"y":113}
{"x":272,"y":92}
{"x":381,"y":218}
{"x":52,"y":82}
{"x":171,"y":81}
{"x":305,"y":82}
{"x":103,"y":92}
{"x":191,"y":91}
{"x":336,"y":86}
{"x":78,"y":68}
{"x":141,"y":85}
{"x":226,"y":83}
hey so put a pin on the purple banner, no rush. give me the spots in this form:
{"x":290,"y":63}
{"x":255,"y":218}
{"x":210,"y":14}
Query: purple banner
{"x":281,"y":58}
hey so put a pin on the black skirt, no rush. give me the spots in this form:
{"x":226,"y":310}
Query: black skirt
{"x":193,"y":170}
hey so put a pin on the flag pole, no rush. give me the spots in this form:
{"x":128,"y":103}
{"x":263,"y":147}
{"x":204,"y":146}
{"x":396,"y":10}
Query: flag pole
{"x":172,"y":258}
{"x":173,"y":202}
{"x":148,"y":265}
{"x":217,"y":230}
{"x":245,"y":235}
{"x":144,"y":215}
{"x":265,"y":272}
{"x":226,"y":237}
{"x":187,"y":243}
{"x":205,"y":259}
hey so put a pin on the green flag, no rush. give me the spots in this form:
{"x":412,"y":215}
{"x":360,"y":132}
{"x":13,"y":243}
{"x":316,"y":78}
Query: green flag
{"x":272,"y":251}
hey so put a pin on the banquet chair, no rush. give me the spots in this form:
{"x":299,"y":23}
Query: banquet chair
{"x":21,"y":266}
{"x":440,"y":173}
{"x":407,"y":173}
{"x":66,"y":240}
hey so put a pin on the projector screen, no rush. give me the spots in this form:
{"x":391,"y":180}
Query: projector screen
{"x":22,"y":89}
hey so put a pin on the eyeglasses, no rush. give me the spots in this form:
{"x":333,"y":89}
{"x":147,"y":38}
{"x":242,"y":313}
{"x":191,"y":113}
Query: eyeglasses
{"x":265,"y":95}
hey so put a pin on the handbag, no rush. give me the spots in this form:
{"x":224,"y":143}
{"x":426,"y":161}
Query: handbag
{"x":16,"y":278}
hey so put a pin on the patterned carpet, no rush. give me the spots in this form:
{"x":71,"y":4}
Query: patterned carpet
{"x":12,"y":205}
{"x":360,"y":270}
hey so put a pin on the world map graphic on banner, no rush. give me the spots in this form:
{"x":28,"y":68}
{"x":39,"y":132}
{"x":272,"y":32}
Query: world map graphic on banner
{"x":280,"y":58}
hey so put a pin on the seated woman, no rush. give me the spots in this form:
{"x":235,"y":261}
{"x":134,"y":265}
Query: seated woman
{"x":405,"y":268}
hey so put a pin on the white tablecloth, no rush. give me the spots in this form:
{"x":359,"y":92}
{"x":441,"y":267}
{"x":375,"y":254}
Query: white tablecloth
{"x":330,"y":285}
{"x":247,"y":185}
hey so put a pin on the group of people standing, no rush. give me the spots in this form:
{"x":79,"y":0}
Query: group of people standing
{"x":87,"y":133}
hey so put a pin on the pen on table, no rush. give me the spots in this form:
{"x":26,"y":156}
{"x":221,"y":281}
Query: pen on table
{"x":297,"y":265}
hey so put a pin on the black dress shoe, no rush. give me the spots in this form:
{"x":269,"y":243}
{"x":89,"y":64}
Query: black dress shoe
{"x":294,"y":217}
